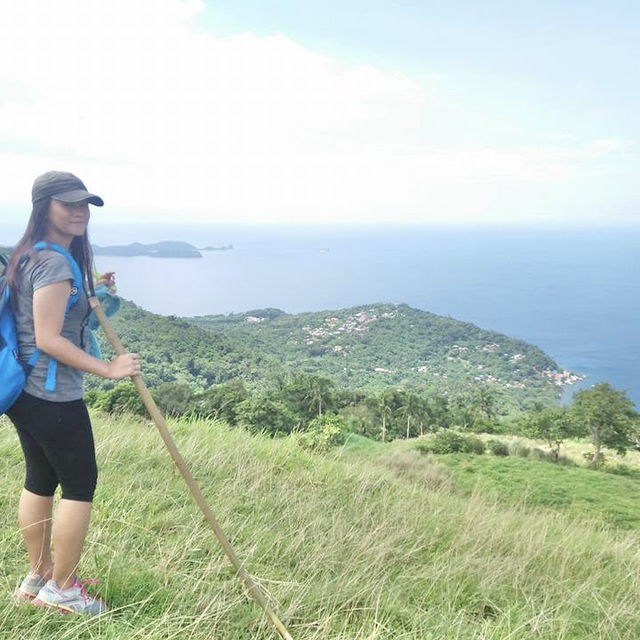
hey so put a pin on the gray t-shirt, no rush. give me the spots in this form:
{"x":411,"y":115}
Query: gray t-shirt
{"x":48,"y":267}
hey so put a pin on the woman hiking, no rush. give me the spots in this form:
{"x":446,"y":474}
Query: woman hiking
{"x":50,"y":415}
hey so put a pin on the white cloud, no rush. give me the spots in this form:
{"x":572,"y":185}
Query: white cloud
{"x":161,"y":117}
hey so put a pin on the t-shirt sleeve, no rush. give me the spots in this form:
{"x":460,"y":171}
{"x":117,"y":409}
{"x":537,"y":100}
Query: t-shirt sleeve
{"x":52,"y":267}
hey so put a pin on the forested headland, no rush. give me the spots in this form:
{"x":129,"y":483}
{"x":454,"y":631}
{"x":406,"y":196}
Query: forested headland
{"x":365,"y":349}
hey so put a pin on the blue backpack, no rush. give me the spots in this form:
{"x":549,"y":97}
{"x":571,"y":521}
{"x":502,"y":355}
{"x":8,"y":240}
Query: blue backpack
{"x":13,"y":372}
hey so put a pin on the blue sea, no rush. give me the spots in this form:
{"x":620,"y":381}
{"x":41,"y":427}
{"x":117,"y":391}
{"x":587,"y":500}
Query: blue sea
{"x":573,"y":292}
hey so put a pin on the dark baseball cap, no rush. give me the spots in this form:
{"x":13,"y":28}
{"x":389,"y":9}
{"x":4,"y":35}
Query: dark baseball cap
{"x":62,"y":186}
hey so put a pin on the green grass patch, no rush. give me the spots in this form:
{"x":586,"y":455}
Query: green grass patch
{"x":613,"y":498}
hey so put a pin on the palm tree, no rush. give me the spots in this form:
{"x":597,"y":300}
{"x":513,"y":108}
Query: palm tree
{"x":384,"y":404}
{"x":464,"y":411}
{"x":317,"y":391}
{"x":410,"y":408}
{"x":484,"y":402}
{"x":425,"y":414}
{"x":440,"y":411}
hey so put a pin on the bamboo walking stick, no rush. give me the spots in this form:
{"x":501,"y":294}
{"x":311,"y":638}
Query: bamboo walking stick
{"x":158,"y":418}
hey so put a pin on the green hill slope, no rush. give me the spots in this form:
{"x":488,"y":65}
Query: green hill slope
{"x":610,"y":496}
{"x":350,"y":547}
{"x":373,"y":346}
{"x":361,"y":348}
{"x":175,"y":350}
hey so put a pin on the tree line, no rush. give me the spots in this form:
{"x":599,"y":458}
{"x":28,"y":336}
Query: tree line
{"x":310,"y":403}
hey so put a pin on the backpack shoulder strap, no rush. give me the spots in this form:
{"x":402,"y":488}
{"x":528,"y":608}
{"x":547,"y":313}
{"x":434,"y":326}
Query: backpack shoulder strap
{"x":77,"y":284}
{"x":4,"y":297}
{"x":76,"y":288}
{"x":4,"y":263}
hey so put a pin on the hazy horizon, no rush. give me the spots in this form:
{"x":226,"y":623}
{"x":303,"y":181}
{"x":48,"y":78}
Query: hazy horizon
{"x":118,"y":233}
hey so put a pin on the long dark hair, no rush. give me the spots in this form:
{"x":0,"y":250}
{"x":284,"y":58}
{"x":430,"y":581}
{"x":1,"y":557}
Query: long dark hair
{"x":37,"y":229}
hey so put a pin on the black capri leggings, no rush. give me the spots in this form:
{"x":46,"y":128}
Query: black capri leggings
{"x":57,"y":442}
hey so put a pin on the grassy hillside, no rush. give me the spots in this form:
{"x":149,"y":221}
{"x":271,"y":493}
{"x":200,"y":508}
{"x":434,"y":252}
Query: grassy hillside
{"x":350,"y":546}
{"x":610,"y":496}
{"x":614,"y":499}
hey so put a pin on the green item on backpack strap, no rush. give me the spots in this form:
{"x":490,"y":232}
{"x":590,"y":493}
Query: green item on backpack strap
{"x":111,"y":304}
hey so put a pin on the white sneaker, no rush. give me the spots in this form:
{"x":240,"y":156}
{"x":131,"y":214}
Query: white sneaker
{"x":30,"y":586}
{"x":75,"y":599}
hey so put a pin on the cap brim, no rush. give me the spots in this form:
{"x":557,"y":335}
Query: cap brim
{"x":77,"y":195}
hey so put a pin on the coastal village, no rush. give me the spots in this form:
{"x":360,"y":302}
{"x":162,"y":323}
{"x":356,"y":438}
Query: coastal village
{"x":333,"y":327}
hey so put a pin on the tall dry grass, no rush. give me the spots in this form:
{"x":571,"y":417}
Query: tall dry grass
{"x":345,"y":548}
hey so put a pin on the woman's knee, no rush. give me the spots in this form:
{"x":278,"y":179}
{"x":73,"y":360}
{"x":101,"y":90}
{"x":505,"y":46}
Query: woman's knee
{"x":82,"y":487}
{"x":40,"y":478}
{"x":44,"y":488}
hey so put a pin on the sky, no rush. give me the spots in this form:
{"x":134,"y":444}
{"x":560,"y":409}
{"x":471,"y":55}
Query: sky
{"x":518,"y":112}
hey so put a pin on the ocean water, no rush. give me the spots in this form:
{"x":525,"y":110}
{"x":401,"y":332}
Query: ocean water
{"x":573,"y":292}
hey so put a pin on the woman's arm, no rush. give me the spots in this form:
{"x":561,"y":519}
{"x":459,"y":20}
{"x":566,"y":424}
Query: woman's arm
{"x":49,"y":305}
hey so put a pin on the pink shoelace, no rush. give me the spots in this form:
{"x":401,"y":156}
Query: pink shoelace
{"x":80,"y":583}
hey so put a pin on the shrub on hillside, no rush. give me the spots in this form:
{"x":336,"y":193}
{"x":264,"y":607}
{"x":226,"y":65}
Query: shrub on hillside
{"x":92,"y":397}
{"x":476,"y":445}
{"x":551,"y":424}
{"x":422,"y":469}
{"x":520,"y":449}
{"x":486,"y":425}
{"x":174,"y":398}
{"x":263,"y":415}
{"x":498,"y":447}
{"x":221,"y":401}
{"x":121,"y":399}
{"x":323,"y":433}
{"x":538,"y":454}
{"x":449,"y":441}
{"x":595,"y":462}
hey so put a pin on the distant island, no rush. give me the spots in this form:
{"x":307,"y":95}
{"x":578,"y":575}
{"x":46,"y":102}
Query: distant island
{"x":167,"y":249}
{"x":223,"y":248}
